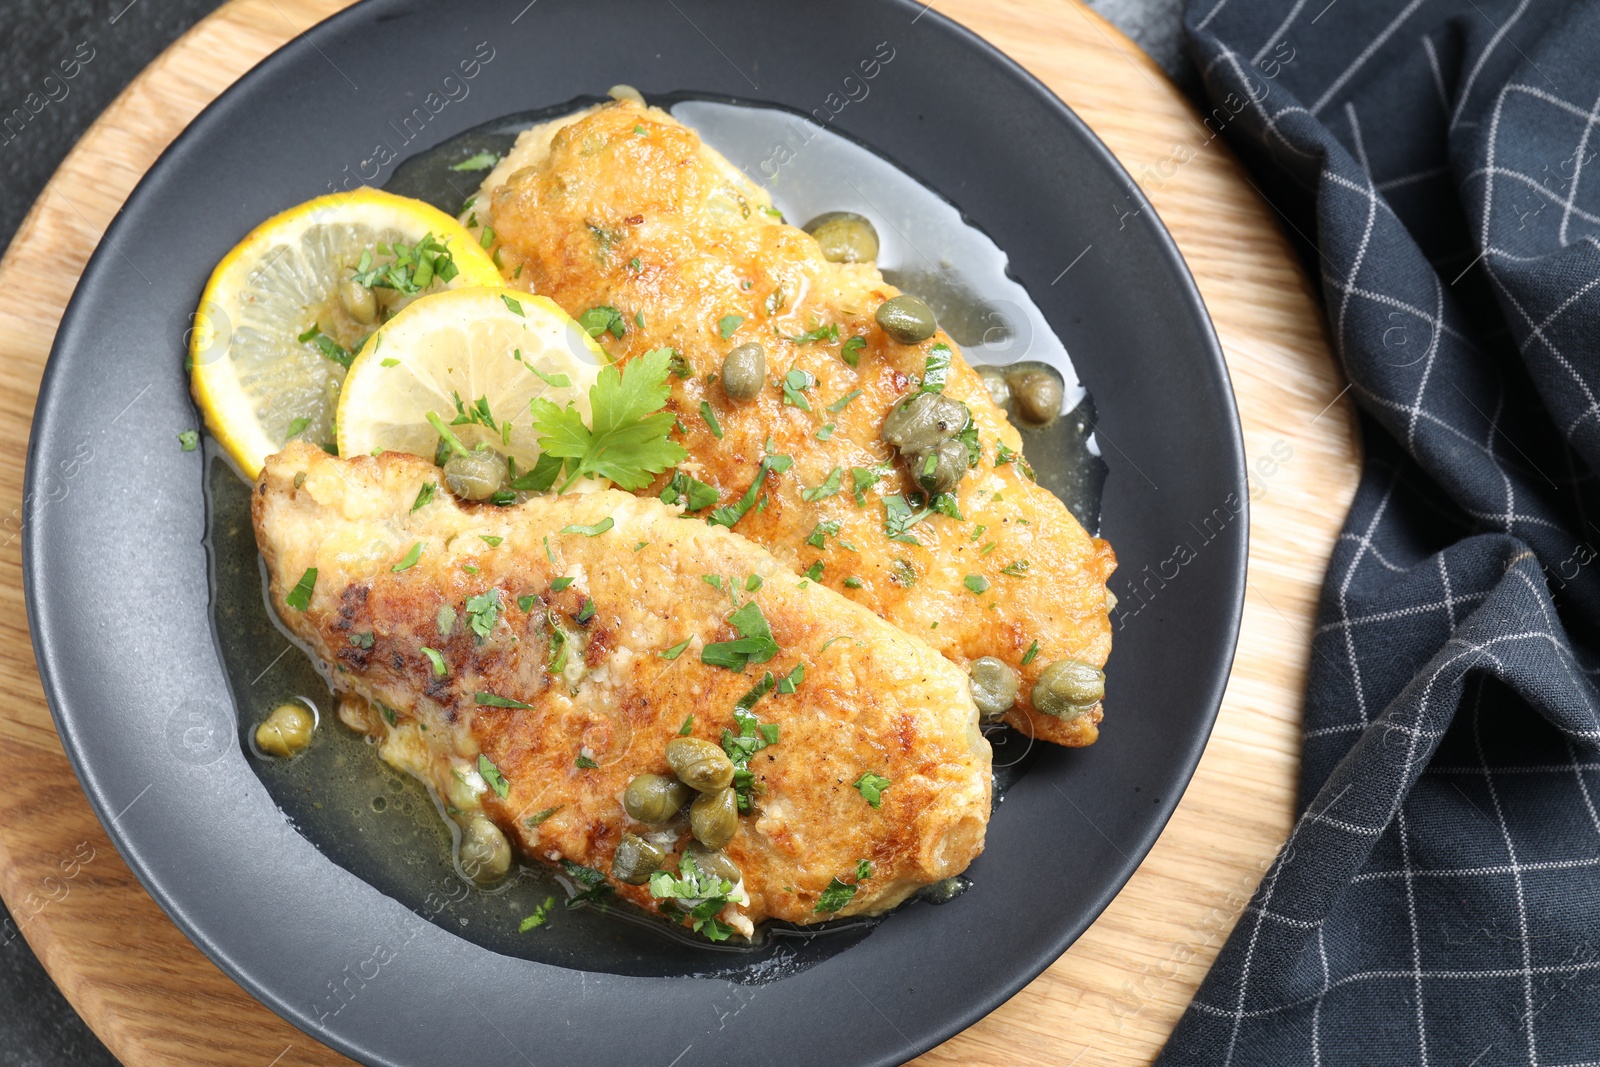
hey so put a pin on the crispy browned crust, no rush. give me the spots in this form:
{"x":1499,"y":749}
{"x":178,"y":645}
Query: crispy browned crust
{"x":872,"y":698}
{"x":626,"y":184}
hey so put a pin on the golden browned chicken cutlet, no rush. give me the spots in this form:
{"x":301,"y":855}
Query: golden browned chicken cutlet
{"x":623,"y":213}
{"x":529,"y":662}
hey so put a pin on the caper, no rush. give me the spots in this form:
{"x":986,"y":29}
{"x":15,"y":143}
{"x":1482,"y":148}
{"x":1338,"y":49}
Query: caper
{"x":994,"y":380}
{"x":907,"y":319}
{"x":625,"y":92}
{"x":287,"y":731}
{"x":744,"y":371}
{"x":1038,"y":395}
{"x":939,"y":469}
{"x":714,"y":862}
{"x":994,"y":687}
{"x":1068,"y":688}
{"x":654,"y":798}
{"x":713,"y":817}
{"x":701,"y":764}
{"x":485,"y":854}
{"x":358,"y":301}
{"x":844,"y":237}
{"x":635,"y":860}
{"x":477,"y":475}
{"x":922,"y":420}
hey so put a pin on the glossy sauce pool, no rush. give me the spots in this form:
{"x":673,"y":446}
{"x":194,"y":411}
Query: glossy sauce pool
{"x":387,"y":828}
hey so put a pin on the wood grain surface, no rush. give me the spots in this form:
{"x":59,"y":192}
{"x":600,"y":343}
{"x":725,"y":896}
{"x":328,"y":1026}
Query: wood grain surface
{"x":1113,"y":998}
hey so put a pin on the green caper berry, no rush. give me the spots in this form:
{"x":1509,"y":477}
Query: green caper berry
{"x":844,"y":237}
{"x":1068,"y":688}
{"x":635,"y":860}
{"x":714,"y":817}
{"x":477,"y":475}
{"x":358,"y":301}
{"x":744,"y":371}
{"x":714,"y":862}
{"x":920,"y":421}
{"x":949,"y":462}
{"x":994,"y":687}
{"x":700,"y":764}
{"x":1038,"y":394}
{"x":906,"y":319}
{"x":654,"y":798}
{"x":287,"y":731}
{"x":484,"y":854}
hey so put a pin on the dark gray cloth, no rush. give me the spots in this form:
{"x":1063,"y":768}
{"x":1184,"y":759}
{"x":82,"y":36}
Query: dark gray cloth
{"x":1438,"y":901}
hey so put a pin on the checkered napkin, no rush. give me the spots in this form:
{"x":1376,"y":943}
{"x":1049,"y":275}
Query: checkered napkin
{"x":1438,"y":901}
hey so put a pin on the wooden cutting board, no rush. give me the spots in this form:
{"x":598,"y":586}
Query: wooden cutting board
{"x":1113,"y":998}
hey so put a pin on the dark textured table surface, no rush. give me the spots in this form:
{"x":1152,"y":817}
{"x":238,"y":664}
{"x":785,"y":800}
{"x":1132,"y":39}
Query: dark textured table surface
{"x":44,"y":110}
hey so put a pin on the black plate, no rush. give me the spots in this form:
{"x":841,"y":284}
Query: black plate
{"x":117,"y":566}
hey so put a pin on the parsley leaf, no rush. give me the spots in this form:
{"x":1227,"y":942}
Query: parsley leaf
{"x":362,"y":640}
{"x":555,"y":587}
{"x":492,"y":775}
{"x":445,"y":620}
{"x":1033,"y":650}
{"x":710,"y":892}
{"x":821,"y":333}
{"x":977,"y":583}
{"x":538,"y":917}
{"x":409,"y":560}
{"x":829,"y":487}
{"x":791,"y":681}
{"x":585,"y":763}
{"x":540,"y":816}
{"x":628,"y":442}
{"x":851,"y":351}
{"x":936,"y":369}
{"x":754,"y":644}
{"x":437,"y":660}
{"x":424,"y":495}
{"x":711,"y":419}
{"x":676,"y":650}
{"x":729,"y":514}
{"x":836,"y":896}
{"x":899,"y":515}
{"x":844,"y":401}
{"x":727,"y":324}
{"x":299,"y":598}
{"x":692,"y":493}
{"x":599,"y":320}
{"x":480,"y":161}
{"x":491,"y":540}
{"x":1018,"y":569}
{"x":482,"y":611}
{"x":795,"y":383}
{"x":591,"y":531}
{"x":687,"y":727}
{"x":871,"y":787}
{"x":189,"y":440}
{"x":821,"y":531}
{"x":494,"y":700}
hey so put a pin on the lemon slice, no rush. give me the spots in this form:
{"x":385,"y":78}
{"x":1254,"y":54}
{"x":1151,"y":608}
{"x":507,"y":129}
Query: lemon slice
{"x":471,"y":359}
{"x":272,"y":337}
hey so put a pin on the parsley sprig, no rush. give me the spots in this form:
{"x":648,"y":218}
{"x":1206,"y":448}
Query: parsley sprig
{"x":627,"y":440}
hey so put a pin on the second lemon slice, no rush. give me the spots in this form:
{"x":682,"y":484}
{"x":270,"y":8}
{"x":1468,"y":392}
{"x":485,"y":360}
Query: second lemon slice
{"x":466,"y":363}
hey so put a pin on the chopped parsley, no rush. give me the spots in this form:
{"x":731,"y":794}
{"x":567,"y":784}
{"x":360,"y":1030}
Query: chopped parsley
{"x":936,"y":369}
{"x":900,"y":514}
{"x":829,"y":487}
{"x":839,"y":894}
{"x":711,"y":419}
{"x":299,"y":598}
{"x":752,"y":583}
{"x":546,"y":469}
{"x":188,"y":440}
{"x":414,"y":268}
{"x":362,"y":640}
{"x":708,"y":893}
{"x":480,"y":161}
{"x":527,"y":601}
{"x":825,"y":432}
{"x":297,"y":426}
{"x":603,"y":319}
{"x":585,"y":763}
{"x":482,"y":611}
{"x":850,"y":352}
{"x":628,"y":442}
{"x":821,"y":333}
{"x":424,"y":495}
{"x":729,"y":514}
{"x":727,"y":324}
{"x":330,"y":348}
{"x":537,"y":919}
{"x":513,"y":305}
{"x":753,"y":736}
{"x":1018,"y":569}
{"x":791,"y":681}
{"x":977,"y":583}
{"x":555,"y":587}
{"x":591,"y":531}
{"x":844,"y":401}
{"x":795,"y":383}
{"x":1033,"y":650}
{"x":494,"y":700}
{"x":820,"y":531}
{"x":492,"y":775}
{"x":871,"y":787}
{"x":676,"y":650}
{"x":687,"y":727}
{"x":814,"y":572}
{"x":754,"y":644}
{"x":539,"y":817}
{"x":445,"y":620}
{"x":435,"y":658}
{"x":410,"y":559}
{"x":586,"y":612}
{"x":594,"y":883}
